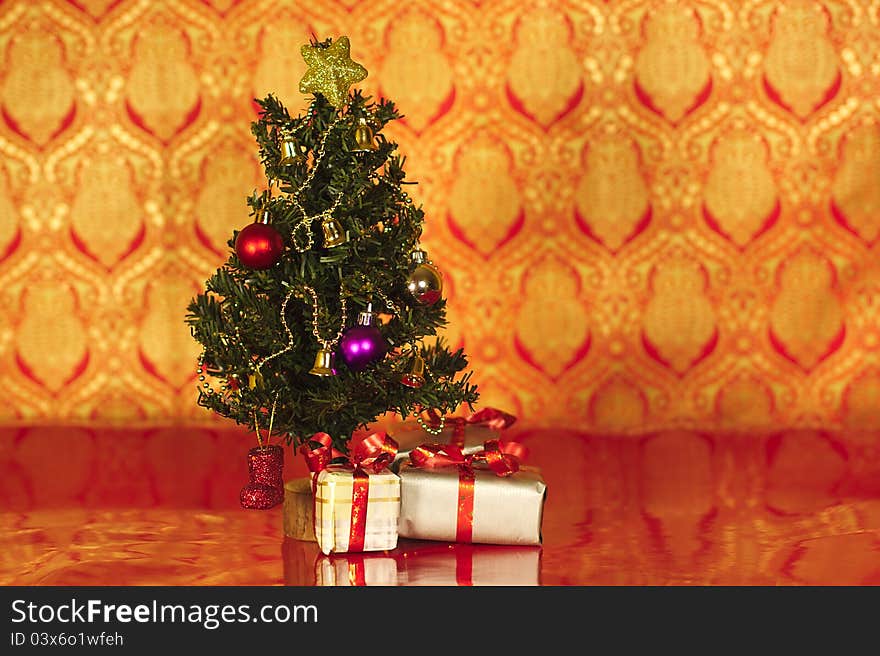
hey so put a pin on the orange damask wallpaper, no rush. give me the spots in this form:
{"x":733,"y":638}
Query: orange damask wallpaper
{"x":650,"y":213}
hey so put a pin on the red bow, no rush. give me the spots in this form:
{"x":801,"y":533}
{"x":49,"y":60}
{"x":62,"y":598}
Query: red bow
{"x":372,"y":453}
{"x":491,"y":417}
{"x":318,"y":457}
{"x":502,"y":459}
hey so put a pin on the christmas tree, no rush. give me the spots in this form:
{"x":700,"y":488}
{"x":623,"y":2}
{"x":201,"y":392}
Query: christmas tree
{"x":325,"y":313}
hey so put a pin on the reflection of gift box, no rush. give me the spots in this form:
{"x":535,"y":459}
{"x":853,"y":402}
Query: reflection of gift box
{"x":468,"y":564}
{"x":299,"y":509}
{"x":462,"y":504}
{"x":356,"y":510}
{"x":468,"y":432}
{"x":356,"y":569}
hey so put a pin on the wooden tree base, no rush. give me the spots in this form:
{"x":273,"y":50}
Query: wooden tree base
{"x":299,"y":510}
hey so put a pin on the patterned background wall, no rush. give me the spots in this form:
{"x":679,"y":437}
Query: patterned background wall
{"x":650,"y":213}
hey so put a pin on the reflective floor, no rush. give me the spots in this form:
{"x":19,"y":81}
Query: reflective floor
{"x":154,"y":507}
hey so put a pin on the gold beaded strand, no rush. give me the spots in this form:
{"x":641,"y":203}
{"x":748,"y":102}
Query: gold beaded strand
{"x":327,"y":343}
{"x":290,"y":337}
{"x":388,"y":302}
{"x":307,"y":220}
{"x":430,"y":430}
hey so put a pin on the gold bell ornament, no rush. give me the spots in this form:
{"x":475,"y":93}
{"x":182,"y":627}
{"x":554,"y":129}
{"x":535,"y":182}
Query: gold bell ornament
{"x":425,"y":282}
{"x":334,"y":235}
{"x":363,"y":138}
{"x":323,"y":363}
{"x":255,"y":379}
{"x":415,"y":377}
{"x":289,"y":152}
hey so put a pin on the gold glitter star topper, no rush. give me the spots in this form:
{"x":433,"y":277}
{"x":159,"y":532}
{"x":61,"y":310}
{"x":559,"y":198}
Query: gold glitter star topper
{"x":331,"y":71}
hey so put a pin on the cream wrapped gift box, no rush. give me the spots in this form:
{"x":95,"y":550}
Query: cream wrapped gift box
{"x":469,"y":433}
{"x":446,"y":495}
{"x":357,"y":502}
{"x":356,"y":510}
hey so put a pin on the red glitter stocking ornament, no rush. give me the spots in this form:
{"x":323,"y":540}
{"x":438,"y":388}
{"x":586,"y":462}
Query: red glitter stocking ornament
{"x":265,"y":466}
{"x":266,"y":487}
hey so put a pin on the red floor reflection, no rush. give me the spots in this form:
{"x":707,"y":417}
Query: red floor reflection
{"x":85,"y":507}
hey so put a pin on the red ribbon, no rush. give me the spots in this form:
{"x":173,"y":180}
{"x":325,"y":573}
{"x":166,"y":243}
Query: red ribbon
{"x":372,"y":452}
{"x":502,"y":460}
{"x":490,"y":417}
{"x":367,"y":454}
{"x":318,"y":457}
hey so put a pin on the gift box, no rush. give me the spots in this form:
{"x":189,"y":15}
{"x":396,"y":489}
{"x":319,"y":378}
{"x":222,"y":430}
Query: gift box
{"x":428,"y":563}
{"x":357,"y":501}
{"x":356,"y":570}
{"x":356,"y":510}
{"x":479,"y":498}
{"x":469,"y":432}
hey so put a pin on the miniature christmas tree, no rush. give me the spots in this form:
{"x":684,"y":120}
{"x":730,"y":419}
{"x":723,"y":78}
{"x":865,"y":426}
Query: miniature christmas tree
{"x":322,"y":311}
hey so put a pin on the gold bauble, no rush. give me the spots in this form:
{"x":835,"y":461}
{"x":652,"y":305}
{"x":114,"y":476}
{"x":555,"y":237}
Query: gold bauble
{"x":425,"y":282}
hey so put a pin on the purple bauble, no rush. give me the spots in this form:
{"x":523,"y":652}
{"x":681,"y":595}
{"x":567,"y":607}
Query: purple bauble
{"x":361,"y":346}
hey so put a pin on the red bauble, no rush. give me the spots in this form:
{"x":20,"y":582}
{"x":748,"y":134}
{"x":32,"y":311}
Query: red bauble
{"x":259,"y":246}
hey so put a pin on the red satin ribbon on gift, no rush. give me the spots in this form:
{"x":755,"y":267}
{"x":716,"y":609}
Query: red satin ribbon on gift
{"x":490,"y":417}
{"x":367,"y":454}
{"x":319,"y":457}
{"x":501,"y":459}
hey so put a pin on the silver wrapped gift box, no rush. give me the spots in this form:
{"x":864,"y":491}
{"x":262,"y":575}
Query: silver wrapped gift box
{"x":506,"y":509}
